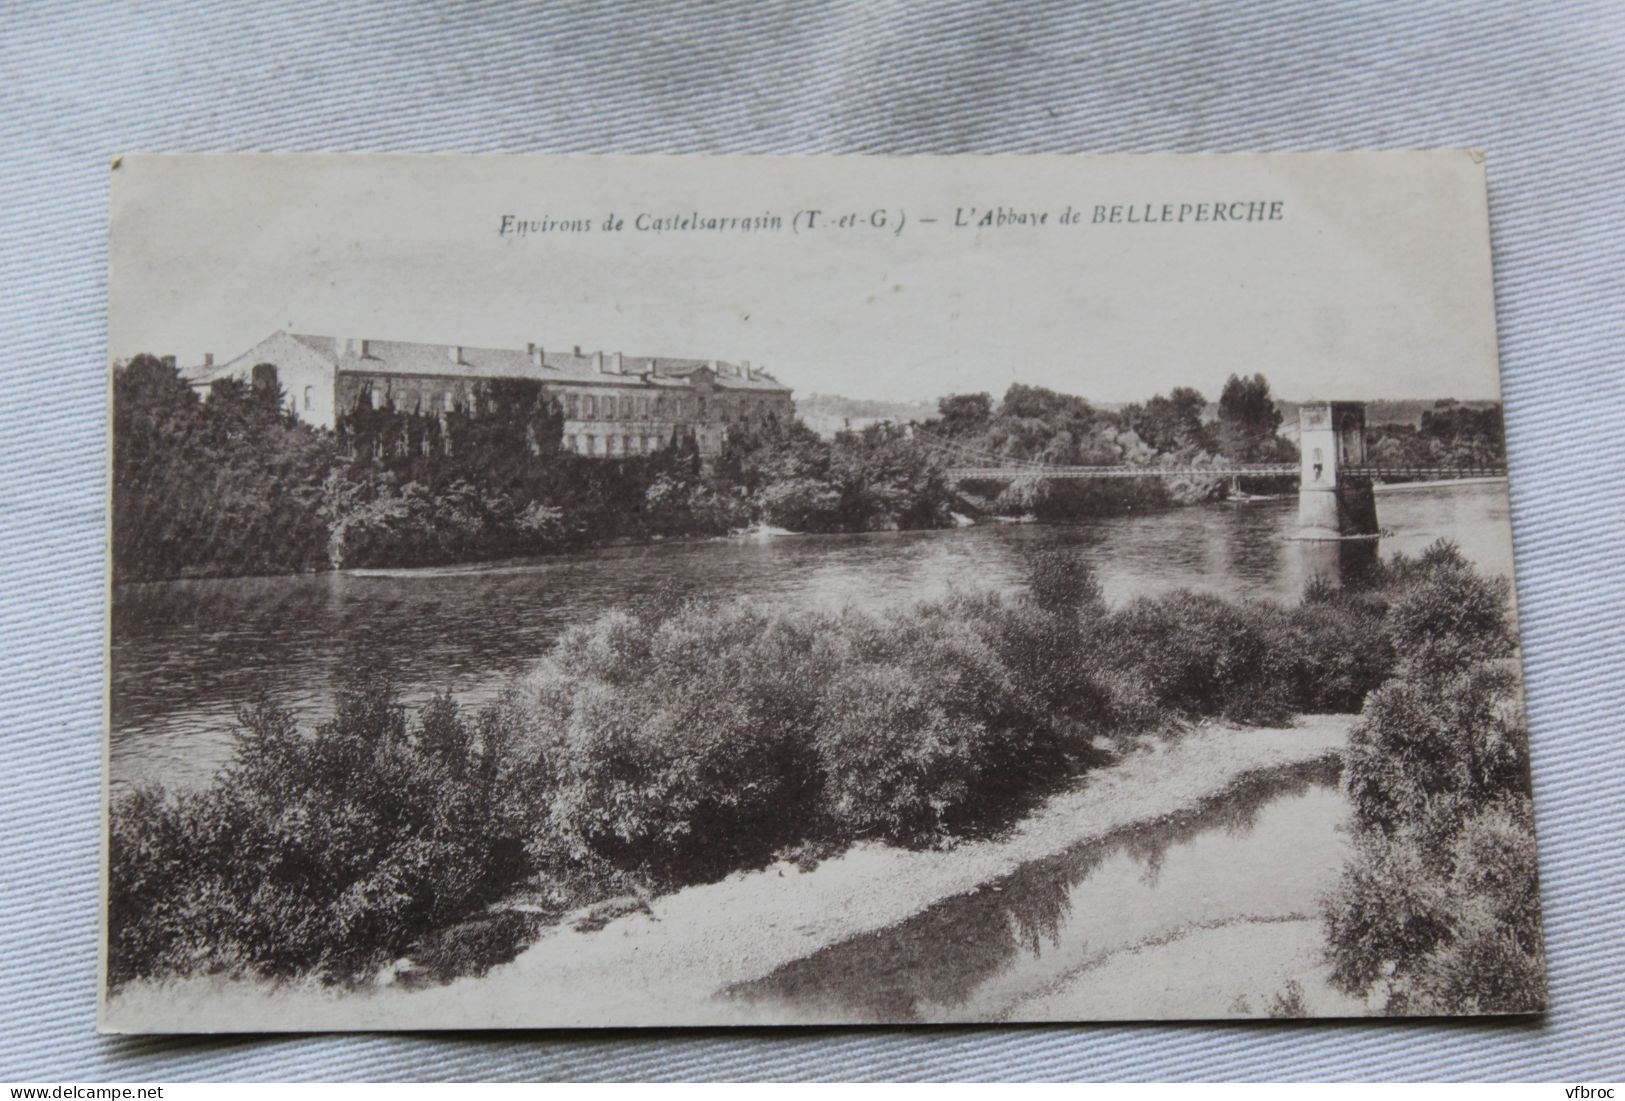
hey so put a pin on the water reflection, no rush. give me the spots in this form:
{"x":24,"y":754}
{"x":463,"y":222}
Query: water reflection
{"x":1339,"y":562}
{"x":1255,"y":854}
{"x":186,"y":654}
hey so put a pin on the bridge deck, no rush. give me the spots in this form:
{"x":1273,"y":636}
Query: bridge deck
{"x":966,"y":473}
{"x":1255,"y":470}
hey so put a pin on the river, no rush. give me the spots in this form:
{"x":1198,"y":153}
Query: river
{"x":185,"y":654}
{"x":1206,"y":913}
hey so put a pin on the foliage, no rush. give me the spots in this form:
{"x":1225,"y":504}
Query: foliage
{"x":1248,"y":420}
{"x":680,"y":743}
{"x":1200,"y":655}
{"x":684,"y":740}
{"x":236,"y":485}
{"x":875,"y":479}
{"x":925,"y":728}
{"x":965,"y":413}
{"x":1446,"y":617}
{"x":475,"y":945}
{"x":330,"y":852}
{"x":1061,"y":582}
{"x":1428,"y":749}
{"x":1032,"y":423}
{"x":1439,"y":905}
{"x":1171,"y":423}
{"x":676,"y":741}
{"x":229,"y":485}
{"x":1449,"y":434}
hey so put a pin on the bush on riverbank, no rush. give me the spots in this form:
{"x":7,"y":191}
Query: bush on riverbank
{"x":1438,"y":908}
{"x":325,"y":853}
{"x":672,"y":743}
{"x":683,"y":742}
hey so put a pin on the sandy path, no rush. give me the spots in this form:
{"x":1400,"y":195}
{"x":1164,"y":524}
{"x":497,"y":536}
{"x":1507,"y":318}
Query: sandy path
{"x":662,"y":968}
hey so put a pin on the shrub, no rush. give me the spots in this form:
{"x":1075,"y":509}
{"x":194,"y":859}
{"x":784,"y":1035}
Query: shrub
{"x":925,"y":728}
{"x":686,"y":742}
{"x":1439,"y":902}
{"x":1198,"y":655}
{"x":329,"y":852}
{"x":1338,"y":653}
{"x":1435,"y":748}
{"x":677,"y":741}
{"x":475,"y":945}
{"x":1444,"y":930}
{"x":680,"y":746}
{"x":1062,"y":582}
{"x":1445,"y":616}
{"x":1339,"y":649}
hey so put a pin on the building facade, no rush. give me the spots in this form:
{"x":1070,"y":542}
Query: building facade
{"x":614,"y":405}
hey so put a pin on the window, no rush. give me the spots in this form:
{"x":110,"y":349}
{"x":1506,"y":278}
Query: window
{"x":626,"y":408}
{"x":309,"y":393}
{"x":569,"y":442}
{"x":592,"y":444}
{"x":264,"y":376}
{"x":627,"y":446}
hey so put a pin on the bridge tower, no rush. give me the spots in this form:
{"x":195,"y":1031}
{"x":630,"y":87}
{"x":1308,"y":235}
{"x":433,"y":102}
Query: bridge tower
{"x":1334,"y":502}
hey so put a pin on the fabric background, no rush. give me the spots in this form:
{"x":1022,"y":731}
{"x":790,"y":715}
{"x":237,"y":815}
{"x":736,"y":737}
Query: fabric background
{"x":1540,"y":86}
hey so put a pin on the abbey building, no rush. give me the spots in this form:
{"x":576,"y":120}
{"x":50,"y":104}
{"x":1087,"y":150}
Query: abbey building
{"x":613,"y":404}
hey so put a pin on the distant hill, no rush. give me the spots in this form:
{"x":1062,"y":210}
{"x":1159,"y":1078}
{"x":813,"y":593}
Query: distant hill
{"x":828,"y":414}
{"x":1376,"y":412}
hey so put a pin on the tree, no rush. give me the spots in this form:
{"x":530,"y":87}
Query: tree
{"x":225,"y":485}
{"x":965,"y":413}
{"x":1248,"y":419}
{"x":1170,"y":423}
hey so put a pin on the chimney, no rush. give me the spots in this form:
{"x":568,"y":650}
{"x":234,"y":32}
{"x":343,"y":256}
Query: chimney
{"x":167,"y":361}
{"x":744,"y":369}
{"x":536,"y":356}
{"x":456,"y":353}
{"x":363,"y":347}
{"x":576,"y":351}
{"x":598,"y":362}
{"x":208,"y":360}
{"x":615,"y":363}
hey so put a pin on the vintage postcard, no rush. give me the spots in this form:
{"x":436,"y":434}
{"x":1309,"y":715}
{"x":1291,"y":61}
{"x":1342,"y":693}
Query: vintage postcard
{"x":614,"y":591}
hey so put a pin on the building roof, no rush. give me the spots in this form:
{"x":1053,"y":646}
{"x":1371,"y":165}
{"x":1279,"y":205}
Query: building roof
{"x":408,"y":358}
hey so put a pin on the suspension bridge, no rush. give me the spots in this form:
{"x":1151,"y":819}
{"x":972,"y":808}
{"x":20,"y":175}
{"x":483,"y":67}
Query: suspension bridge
{"x":1335,"y":477}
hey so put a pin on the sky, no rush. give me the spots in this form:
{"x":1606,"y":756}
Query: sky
{"x":1370,"y":279}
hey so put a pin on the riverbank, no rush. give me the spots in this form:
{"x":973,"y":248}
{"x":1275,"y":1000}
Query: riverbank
{"x":665,"y":963}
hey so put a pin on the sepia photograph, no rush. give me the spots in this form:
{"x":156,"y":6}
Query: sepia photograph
{"x":556,"y":592}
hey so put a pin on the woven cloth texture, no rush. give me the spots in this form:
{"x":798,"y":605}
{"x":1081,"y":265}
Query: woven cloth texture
{"x":1540,"y":86}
